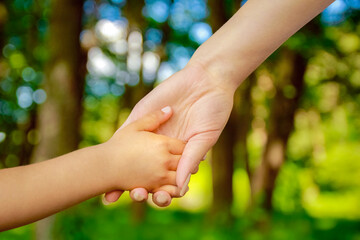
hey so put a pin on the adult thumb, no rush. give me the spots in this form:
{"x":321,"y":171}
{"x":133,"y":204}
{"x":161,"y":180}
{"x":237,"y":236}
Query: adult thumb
{"x":153,"y":120}
{"x":194,"y":152}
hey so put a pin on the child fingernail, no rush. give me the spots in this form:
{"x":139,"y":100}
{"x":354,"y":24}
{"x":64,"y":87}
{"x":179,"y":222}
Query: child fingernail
{"x":138,"y":197}
{"x":161,"y":199}
{"x":166,"y":109}
{"x":185,"y":186}
{"x":204,"y":157}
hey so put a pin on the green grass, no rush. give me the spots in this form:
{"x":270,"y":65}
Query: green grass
{"x":90,"y":220}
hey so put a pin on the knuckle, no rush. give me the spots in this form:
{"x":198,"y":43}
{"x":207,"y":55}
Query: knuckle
{"x":148,"y":120}
{"x":153,"y":116}
{"x":162,"y":143}
{"x":166,"y":163}
{"x":195,"y":169}
{"x":162,"y":176}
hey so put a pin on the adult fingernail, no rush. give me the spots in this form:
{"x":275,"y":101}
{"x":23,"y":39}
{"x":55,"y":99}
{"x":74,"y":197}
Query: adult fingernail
{"x":104,"y":201}
{"x":166,"y":109}
{"x":161,"y":199}
{"x":138,"y":197}
{"x":204,"y":157}
{"x":185,"y":186}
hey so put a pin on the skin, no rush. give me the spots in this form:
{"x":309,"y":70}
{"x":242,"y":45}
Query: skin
{"x":202,"y":93}
{"x":29,"y":193}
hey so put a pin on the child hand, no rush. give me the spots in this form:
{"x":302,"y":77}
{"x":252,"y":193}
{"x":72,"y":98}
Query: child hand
{"x":137,"y":157}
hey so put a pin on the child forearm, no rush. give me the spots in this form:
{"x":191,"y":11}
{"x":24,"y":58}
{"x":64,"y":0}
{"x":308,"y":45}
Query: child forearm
{"x":29,"y":193}
{"x":133,"y":157}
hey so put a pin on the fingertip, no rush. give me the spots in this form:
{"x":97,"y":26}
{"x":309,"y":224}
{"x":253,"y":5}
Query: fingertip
{"x":161,"y":198}
{"x":195,"y":170}
{"x":139,"y":194}
{"x":180,"y":177}
{"x":112,"y":197}
{"x":185,"y":187}
{"x":153,"y":120}
{"x":167,"y":113}
{"x":182,"y":171}
{"x":167,"y":110}
{"x":104,"y":201}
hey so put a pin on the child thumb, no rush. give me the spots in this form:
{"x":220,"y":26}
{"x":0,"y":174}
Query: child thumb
{"x":153,"y":120}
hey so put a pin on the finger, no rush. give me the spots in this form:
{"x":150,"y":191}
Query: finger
{"x":194,"y":151}
{"x":174,"y":161}
{"x":195,"y":170}
{"x":127,"y":122}
{"x":174,"y":191}
{"x":139,"y":194}
{"x":153,"y":120}
{"x":111,"y":197}
{"x":161,"y":198}
{"x":171,"y":178}
{"x":176,"y":146}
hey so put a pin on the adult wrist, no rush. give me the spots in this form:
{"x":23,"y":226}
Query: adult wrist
{"x":216,"y":72}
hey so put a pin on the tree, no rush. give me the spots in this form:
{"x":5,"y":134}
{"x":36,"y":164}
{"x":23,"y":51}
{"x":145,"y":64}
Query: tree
{"x":234,"y":134}
{"x":289,"y":83}
{"x":59,"y":117}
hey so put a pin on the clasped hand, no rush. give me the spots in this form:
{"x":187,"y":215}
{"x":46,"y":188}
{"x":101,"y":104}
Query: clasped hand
{"x":201,"y":107}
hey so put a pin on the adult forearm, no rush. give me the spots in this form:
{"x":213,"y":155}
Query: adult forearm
{"x":251,"y":35}
{"x":33,"y":192}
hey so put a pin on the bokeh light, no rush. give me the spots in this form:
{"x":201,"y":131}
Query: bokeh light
{"x":128,"y":57}
{"x":39,"y":96}
{"x":109,"y":12}
{"x":157,"y":10}
{"x":335,"y":13}
{"x":200,"y":32}
{"x":2,"y":136}
{"x":28,"y":74}
{"x":166,"y":69}
{"x":99,"y":64}
{"x":154,"y":35}
{"x":24,"y":95}
{"x":151,"y":62}
{"x":109,"y":31}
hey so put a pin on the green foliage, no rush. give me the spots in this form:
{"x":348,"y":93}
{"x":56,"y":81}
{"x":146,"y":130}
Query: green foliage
{"x":89,"y":220}
{"x":317,"y":192}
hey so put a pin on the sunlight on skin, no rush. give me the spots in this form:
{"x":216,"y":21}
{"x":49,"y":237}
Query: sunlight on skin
{"x":201,"y":102}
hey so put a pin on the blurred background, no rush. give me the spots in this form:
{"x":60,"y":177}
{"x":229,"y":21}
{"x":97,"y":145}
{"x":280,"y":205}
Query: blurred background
{"x":287,"y":165}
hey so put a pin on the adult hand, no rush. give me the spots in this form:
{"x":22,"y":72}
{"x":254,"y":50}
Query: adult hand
{"x":201,"y":106}
{"x":201,"y":102}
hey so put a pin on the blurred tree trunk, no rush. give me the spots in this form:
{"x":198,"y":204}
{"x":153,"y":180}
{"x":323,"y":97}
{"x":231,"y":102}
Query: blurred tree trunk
{"x":59,"y":117}
{"x":289,"y":83}
{"x":32,"y":41}
{"x":243,"y":104}
{"x":133,"y":13}
{"x":222,"y":159}
{"x":222,"y":172}
{"x":223,"y":156}
{"x":232,"y":138}
{"x":3,"y":19}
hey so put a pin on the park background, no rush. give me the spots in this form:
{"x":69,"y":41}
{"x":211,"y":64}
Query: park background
{"x":287,"y":165}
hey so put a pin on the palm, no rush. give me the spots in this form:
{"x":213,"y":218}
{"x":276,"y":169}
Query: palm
{"x":201,"y":110}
